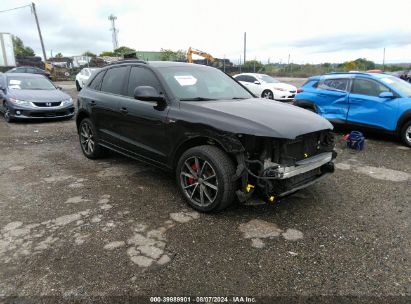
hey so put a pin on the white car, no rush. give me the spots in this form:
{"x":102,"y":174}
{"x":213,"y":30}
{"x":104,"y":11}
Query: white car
{"x":267,"y":86}
{"x":83,"y":77}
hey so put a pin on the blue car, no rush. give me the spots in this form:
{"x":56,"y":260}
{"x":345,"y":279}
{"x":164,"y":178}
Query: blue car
{"x":365,"y":101}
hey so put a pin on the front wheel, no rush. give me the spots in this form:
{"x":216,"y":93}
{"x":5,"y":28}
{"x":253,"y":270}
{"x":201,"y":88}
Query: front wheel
{"x":204,"y":176}
{"x":6,"y":114}
{"x":267,"y":94}
{"x":89,"y":140}
{"x":406,"y":134}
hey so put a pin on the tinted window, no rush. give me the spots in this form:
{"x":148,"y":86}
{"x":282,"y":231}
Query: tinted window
{"x":29,"y":83}
{"x":250,"y":79}
{"x":334,"y":84}
{"x":31,"y":70}
{"x":140,"y":76}
{"x":113,"y":81}
{"x":240,"y":78}
{"x":368,"y":87}
{"x":95,"y":84}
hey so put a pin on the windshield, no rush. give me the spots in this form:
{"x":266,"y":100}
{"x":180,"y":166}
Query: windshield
{"x":29,"y":83}
{"x":268,"y":79}
{"x":399,"y":85}
{"x":202,"y":83}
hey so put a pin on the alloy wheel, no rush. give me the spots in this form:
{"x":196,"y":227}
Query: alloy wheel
{"x":268,"y":95}
{"x":87,"y":138}
{"x":408,"y":134}
{"x":199,"y":181}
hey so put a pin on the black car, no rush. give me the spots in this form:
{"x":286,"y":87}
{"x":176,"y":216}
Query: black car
{"x":30,"y":70}
{"x":32,"y":96}
{"x":219,"y":139}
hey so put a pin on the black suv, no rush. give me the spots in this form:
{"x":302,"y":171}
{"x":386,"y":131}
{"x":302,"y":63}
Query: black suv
{"x":219,"y":139}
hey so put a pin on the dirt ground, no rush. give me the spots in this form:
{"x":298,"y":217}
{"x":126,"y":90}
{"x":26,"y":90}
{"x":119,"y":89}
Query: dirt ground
{"x":72,"y":227}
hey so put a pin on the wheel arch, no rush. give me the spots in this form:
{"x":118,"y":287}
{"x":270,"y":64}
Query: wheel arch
{"x":222,"y":143}
{"x":306,"y":104}
{"x":80,"y":116}
{"x":404,"y":118}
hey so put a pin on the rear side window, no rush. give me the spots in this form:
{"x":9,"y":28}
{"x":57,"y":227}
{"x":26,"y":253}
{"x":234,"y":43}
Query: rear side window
{"x":334,"y":84}
{"x":368,"y":87}
{"x":140,"y":76}
{"x":95,"y":83}
{"x":113,"y":81}
{"x":240,"y":78}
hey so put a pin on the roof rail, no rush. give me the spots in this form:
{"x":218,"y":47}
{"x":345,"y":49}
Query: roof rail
{"x":350,"y":72}
{"x":128,"y":61}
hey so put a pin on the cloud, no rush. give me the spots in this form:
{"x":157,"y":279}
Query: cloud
{"x":354,"y":41}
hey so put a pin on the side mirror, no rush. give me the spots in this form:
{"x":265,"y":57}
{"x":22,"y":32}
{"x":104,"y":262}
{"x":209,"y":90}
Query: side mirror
{"x":59,"y":88}
{"x":147,"y":93}
{"x":386,"y":95}
{"x":257,"y":82}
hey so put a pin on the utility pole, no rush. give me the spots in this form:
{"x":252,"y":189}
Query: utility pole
{"x":245,"y":45}
{"x":33,"y":9}
{"x":113,"y":18}
{"x":383,"y":61}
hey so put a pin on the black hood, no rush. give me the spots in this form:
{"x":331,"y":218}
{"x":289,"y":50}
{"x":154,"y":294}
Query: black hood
{"x":39,"y":95}
{"x":257,"y":116}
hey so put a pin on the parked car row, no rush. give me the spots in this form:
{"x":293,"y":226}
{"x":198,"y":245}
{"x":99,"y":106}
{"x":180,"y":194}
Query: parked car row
{"x":223,"y":137}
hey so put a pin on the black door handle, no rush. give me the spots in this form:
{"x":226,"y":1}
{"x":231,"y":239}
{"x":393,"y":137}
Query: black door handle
{"x":92,"y":103}
{"x":124,"y":110}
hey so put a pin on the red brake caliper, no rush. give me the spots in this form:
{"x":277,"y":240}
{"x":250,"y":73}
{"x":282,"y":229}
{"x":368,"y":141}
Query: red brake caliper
{"x":190,"y":179}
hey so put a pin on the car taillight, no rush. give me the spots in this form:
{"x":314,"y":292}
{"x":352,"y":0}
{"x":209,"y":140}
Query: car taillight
{"x":300,"y":90}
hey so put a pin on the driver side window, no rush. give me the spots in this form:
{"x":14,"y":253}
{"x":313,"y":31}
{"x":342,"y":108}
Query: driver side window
{"x":368,"y":87}
{"x":140,"y":76}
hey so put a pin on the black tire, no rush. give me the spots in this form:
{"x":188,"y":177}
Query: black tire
{"x":78,"y":86}
{"x":267,"y":94}
{"x":6,"y":113}
{"x":211,"y":160}
{"x":406,"y":134}
{"x":89,"y":140}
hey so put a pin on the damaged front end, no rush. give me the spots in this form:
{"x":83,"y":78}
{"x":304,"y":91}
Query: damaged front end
{"x":274,"y":168}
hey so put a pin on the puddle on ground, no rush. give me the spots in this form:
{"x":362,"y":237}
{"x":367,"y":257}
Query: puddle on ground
{"x":147,"y":247}
{"x":380,"y":173}
{"x":18,"y":239}
{"x":257,"y":230}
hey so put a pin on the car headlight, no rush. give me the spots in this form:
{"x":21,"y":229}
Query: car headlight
{"x":22,"y":103}
{"x":67,"y":102}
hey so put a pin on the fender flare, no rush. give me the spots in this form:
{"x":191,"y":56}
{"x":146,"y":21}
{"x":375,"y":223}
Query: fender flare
{"x":406,"y":116}
{"x":306,"y":104}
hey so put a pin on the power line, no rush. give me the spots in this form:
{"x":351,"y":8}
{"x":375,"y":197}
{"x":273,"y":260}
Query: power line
{"x":12,"y":9}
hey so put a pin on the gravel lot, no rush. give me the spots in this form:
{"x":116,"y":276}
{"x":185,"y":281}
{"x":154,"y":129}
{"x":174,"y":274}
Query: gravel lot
{"x":71,"y":227}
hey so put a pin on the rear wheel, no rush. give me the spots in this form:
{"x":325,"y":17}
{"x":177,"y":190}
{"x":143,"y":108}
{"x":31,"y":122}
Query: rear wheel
{"x":267,"y":94}
{"x":406,"y":134}
{"x":89,"y":140}
{"x":204,"y":176}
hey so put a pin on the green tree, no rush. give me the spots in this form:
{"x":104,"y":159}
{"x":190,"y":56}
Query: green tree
{"x":122,"y":50}
{"x":59,"y":55}
{"x":20,"y":49}
{"x":89,"y":54}
{"x":170,"y":55}
{"x":253,"y":65}
{"x":107,"y":53}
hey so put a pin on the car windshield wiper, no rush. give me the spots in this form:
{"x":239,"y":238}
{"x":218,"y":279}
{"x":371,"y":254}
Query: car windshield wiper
{"x":197,"y":99}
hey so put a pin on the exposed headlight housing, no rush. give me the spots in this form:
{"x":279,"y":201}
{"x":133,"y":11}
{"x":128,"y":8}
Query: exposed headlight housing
{"x":67,"y":102}
{"x":22,"y":103}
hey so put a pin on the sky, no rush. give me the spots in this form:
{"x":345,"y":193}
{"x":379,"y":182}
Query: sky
{"x":312,"y":31}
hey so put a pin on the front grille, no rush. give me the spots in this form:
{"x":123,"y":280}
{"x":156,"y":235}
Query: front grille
{"x":302,"y":147}
{"x":47,"y":104}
